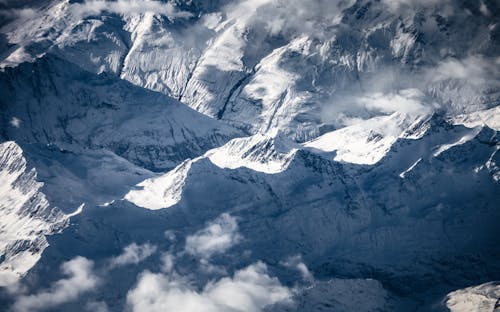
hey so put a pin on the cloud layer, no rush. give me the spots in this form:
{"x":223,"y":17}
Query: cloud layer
{"x":476,"y":70}
{"x":95,"y":7}
{"x":249,"y":290}
{"x":80,"y":279}
{"x":274,"y":15}
{"x":297,"y":263}
{"x":216,"y":237}
{"x":133,"y":254}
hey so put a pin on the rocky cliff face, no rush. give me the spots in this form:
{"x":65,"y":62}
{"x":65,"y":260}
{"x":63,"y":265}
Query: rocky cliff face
{"x":58,"y":103}
{"x":27,"y":216}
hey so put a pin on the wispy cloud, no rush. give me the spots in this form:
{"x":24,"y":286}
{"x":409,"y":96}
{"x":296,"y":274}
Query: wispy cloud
{"x":409,"y":101}
{"x":10,"y":14}
{"x":476,"y":70}
{"x":95,"y":7}
{"x":463,"y":85}
{"x":80,"y":279}
{"x":297,"y":263}
{"x":218,"y":236}
{"x":167,"y":262}
{"x":15,"y":122}
{"x":133,"y":254}
{"x":347,"y":109}
{"x":250,"y":290}
{"x":273,"y":16}
{"x":96,"y":306}
{"x":398,"y":5}
{"x":451,"y":85}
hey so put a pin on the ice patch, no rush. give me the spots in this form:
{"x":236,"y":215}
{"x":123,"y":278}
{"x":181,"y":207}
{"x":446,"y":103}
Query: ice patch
{"x":466,"y":138}
{"x":403,"y":174}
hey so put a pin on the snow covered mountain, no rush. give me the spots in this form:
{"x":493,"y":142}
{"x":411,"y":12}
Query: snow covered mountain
{"x":249,"y":155}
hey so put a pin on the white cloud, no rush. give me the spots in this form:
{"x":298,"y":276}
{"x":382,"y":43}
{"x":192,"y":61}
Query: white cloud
{"x":11,"y":14}
{"x":463,"y":85}
{"x":209,"y":268}
{"x":216,"y":237}
{"x":297,"y":263}
{"x":274,"y":15}
{"x":452,"y":85}
{"x":167,"y":262}
{"x":396,"y":5}
{"x":170,"y":235}
{"x":250,"y":290}
{"x":80,"y":280}
{"x":97,"y":306}
{"x":483,"y":8}
{"x":133,"y":254}
{"x":476,"y":70}
{"x":95,"y":7}
{"x":354,"y":108}
{"x":408,"y":101}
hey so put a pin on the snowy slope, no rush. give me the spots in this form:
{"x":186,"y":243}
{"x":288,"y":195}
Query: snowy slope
{"x":302,"y":77}
{"x":363,"y":143}
{"x":27,"y":216}
{"x":339,"y":192}
{"x":477,"y":298}
{"x":43,"y":187}
{"x":490,"y":118}
{"x":418,"y":236}
{"x":56,"y":102}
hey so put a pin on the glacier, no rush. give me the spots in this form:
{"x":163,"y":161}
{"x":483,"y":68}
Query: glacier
{"x":249,"y":155}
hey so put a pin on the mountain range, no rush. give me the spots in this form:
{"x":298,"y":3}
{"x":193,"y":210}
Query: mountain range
{"x":249,"y":155}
